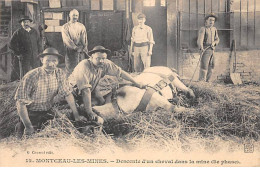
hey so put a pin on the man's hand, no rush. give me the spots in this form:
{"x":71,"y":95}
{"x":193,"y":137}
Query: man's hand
{"x":132,"y":53}
{"x":20,"y":57}
{"x":140,"y":85}
{"x":201,"y":50}
{"x":190,"y":93}
{"x":149,"y":53}
{"x":79,"y":49}
{"x":100,"y":120}
{"x":28,"y":131}
{"x":92,"y":116}
{"x":81,"y":119}
{"x":213,"y":44}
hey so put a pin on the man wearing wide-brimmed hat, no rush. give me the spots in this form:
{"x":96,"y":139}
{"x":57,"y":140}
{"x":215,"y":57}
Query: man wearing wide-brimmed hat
{"x":88,"y":73}
{"x":35,"y":94}
{"x":208,"y":37}
{"x":26,"y":45}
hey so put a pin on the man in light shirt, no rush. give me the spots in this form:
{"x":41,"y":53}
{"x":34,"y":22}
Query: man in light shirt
{"x":74,"y":36}
{"x":208,"y":37}
{"x":87,"y":74}
{"x":141,"y":44}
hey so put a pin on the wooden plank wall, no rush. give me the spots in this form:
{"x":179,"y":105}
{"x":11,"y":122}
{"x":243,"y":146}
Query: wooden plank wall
{"x":67,"y":3}
{"x":246,"y":22}
{"x":192,"y":13}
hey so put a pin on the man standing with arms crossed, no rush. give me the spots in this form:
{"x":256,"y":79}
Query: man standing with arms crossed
{"x":208,"y":37}
{"x":74,"y":36}
{"x":141,"y":44}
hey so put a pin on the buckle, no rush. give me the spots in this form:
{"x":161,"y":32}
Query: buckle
{"x":161,"y":84}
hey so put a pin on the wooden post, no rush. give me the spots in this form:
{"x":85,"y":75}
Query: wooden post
{"x":138,"y":6}
{"x":172,"y":34}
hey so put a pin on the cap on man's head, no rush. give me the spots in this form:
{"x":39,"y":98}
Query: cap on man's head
{"x":140,"y":16}
{"x":50,"y":51}
{"x":99,"y":49}
{"x":25,"y":18}
{"x":211,"y":15}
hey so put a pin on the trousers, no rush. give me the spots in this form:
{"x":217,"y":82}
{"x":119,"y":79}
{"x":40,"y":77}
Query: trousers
{"x":141,"y":58}
{"x":72,"y":58}
{"x":37,"y":118}
{"x":27,"y":65}
{"x":207,"y":65}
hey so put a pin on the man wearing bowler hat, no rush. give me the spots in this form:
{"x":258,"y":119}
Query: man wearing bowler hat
{"x":141,"y":44}
{"x":35,"y":94}
{"x":26,"y":45}
{"x":207,"y":41}
{"x":87,"y":74}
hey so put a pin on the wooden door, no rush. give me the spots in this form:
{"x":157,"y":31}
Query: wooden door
{"x":104,"y":28}
{"x":156,"y":18}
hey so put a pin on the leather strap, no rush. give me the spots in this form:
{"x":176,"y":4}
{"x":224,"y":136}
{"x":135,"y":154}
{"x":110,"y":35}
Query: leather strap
{"x":151,"y":90}
{"x":145,"y":99}
{"x":115,"y":105}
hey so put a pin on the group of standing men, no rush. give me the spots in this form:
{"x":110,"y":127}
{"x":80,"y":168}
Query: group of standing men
{"x":26,"y":44}
{"x":35,"y":94}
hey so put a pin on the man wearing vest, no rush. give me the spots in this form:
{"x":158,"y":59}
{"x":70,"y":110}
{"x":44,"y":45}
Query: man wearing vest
{"x":208,"y":37}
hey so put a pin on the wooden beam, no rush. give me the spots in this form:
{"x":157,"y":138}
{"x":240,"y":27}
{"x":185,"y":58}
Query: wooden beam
{"x":79,"y":8}
{"x":254,"y":21}
{"x":172,"y":34}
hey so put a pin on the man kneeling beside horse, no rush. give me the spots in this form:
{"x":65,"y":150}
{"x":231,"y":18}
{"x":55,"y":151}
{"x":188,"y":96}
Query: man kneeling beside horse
{"x":149,"y":90}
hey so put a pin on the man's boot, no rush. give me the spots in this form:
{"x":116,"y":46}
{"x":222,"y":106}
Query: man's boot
{"x":202,"y":76}
{"x":209,"y":74}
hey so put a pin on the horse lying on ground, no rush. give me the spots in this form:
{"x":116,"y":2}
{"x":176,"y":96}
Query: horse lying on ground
{"x":161,"y":83}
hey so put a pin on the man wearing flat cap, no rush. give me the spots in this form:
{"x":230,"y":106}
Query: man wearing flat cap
{"x":35,"y":94}
{"x":207,"y":41}
{"x":141,"y":44}
{"x":87,"y":74}
{"x":26,"y":45}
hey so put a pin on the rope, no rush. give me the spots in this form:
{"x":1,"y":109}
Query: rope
{"x":201,"y":54}
{"x":180,"y":99}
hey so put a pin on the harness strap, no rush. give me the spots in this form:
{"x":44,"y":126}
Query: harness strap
{"x":151,"y":90}
{"x":115,"y":105}
{"x":145,"y":99}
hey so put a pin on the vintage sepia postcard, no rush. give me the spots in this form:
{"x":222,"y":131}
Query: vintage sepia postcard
{"x":129,"y":83}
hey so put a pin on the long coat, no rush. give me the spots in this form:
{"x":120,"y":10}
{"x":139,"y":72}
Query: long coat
{"x":28,"y":45}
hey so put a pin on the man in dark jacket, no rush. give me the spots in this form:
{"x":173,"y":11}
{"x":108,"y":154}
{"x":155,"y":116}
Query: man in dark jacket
{"x":26,"y":45}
